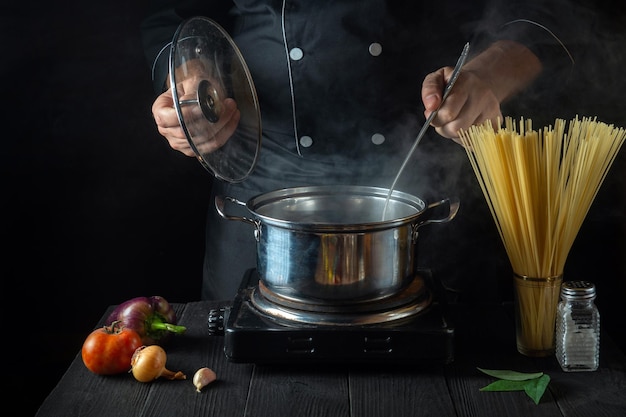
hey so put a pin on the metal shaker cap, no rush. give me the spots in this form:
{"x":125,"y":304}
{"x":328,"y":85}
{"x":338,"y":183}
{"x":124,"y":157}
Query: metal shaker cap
{"x":578,"y":290}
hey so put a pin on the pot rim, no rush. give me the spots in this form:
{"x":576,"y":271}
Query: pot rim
{"x":415,"y":204}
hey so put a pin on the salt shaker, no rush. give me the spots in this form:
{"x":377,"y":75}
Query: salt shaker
{"x":578,"y":327}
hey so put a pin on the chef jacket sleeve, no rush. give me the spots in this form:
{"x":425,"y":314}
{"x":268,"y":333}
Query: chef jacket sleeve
{"x":549,"y":28}
{"x":161,"y":21}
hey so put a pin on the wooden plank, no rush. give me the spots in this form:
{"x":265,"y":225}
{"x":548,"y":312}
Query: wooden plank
{"x":416,"y":390}
{"x":299,"y":391}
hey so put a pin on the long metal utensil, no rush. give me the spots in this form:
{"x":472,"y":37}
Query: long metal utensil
{"x":455,"y":74}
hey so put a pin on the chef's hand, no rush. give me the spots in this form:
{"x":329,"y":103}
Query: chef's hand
{"x":207,"y":136}
{"x":471,"y":101}
{"x":487,"y":80}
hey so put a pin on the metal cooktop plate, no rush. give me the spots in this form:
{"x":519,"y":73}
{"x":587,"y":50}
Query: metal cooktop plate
{"x":411,"y":301}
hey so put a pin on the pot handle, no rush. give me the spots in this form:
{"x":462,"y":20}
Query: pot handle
{"x":220,"y":203}
{"x":453,"y":204}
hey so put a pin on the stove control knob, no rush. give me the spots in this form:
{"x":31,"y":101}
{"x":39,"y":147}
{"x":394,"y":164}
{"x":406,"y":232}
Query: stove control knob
{"x":216,"y":320}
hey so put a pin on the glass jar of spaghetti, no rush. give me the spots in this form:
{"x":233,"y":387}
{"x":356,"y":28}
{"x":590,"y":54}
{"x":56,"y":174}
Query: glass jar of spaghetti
{"x":578,"y":327}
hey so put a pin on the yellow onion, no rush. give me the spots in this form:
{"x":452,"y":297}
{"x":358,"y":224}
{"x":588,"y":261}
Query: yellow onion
{"x":148,"y":364}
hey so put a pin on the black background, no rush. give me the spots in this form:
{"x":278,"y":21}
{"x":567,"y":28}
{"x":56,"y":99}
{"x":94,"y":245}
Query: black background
{"x":97,"y":208}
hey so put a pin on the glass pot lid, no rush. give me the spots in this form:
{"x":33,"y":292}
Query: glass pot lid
{"x":215,"y":99}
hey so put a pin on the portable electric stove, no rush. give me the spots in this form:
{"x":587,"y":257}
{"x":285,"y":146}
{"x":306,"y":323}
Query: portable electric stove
{"x":411,"y":326}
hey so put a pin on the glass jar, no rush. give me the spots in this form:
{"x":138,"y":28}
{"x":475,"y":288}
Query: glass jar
{"x":536,"y":301}
{"x":578,"y":327}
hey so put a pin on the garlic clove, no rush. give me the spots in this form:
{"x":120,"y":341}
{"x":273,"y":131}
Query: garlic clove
{"x":203,"y":377}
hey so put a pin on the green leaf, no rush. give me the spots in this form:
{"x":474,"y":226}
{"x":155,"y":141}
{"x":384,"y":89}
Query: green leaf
{"x":536,"y":387}
{"x":510,"y":375}
{"x":505,"y":385}
{"x":534,"y":384}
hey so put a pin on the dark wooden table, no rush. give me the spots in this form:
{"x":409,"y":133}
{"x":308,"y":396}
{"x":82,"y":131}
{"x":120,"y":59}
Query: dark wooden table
{"x":484,"y":337}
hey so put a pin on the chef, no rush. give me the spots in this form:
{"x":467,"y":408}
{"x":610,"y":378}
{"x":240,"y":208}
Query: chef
{"x":344,"y":88}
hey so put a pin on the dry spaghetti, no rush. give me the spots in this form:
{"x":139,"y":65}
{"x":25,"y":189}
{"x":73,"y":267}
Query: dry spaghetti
{"x":539,"y":186}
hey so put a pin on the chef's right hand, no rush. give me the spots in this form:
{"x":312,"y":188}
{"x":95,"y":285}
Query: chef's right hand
{"x":471,"y":101}
{"x":493,"y":76}
{"x":207,"y":136}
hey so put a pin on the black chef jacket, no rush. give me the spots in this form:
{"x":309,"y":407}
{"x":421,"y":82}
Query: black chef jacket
{"x":339,"y":89}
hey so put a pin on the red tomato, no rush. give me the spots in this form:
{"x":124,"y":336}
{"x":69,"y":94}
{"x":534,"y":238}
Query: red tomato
{"x":108,"y":350}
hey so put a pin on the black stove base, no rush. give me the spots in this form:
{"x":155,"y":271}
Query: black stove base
{"x":251,"y":337}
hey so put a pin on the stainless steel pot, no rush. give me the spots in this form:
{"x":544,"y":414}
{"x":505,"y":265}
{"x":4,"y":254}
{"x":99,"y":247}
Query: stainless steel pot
{"x":329,"y":244}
